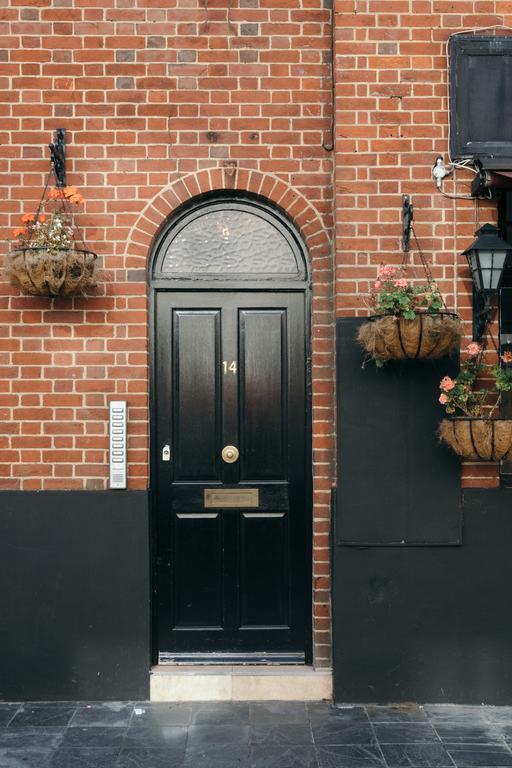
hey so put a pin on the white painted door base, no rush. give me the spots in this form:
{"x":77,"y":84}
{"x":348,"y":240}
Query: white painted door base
{"x":239,"y":683}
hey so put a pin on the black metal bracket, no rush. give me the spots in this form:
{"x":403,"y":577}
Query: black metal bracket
{"x":482,"y":314}
{"x":58,"y":156}
{"x":407,"y":219}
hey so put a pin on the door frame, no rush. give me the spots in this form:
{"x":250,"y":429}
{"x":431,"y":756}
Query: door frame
{"x":169,"y":285}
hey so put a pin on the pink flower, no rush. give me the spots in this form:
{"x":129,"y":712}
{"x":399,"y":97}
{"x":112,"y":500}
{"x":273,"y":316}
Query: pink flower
{"x":447,"y":384}
{"x":473,"y":349}
{"x":401,"y":283}
{"x":377,"y":284}
{"x":507,"y":358}
{"x":443,"y":399}
{"x":387,"y":271}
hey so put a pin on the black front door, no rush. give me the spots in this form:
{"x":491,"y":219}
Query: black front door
{"x":232,"y":534}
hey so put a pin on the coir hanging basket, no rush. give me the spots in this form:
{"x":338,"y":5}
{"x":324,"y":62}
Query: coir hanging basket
{"x":41,"y":272}
{"x":427,"y":337}
{"x":478,"y":439}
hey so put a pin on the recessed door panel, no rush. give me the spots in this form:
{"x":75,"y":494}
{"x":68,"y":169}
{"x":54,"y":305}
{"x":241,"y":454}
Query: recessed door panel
{"x":264,"y":569}
{"x":263,"y":401}
{"x":232,"y":526}
{"x":196,"y":394}
{"x":197,"y":602}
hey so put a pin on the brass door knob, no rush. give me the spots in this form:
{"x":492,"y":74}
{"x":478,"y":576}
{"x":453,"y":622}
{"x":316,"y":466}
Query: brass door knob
{"x":230,"y":454}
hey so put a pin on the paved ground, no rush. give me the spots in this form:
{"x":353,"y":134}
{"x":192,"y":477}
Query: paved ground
{"x":262,"y":735}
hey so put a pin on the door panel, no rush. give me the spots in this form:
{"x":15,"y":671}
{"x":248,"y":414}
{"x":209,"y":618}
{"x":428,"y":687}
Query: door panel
{"x":198,"y":549}
{"x":263,"y":400}
{"x":231,"y":370}
{"x":265,"y":593}
{"x":196,"y":423}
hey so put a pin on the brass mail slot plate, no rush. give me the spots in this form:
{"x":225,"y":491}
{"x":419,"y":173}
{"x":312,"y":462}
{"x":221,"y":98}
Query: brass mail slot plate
{"x":231,"y":497}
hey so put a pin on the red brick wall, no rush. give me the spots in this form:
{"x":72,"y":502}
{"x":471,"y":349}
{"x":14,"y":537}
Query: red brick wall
{"x":391,"y":123}
{"x":156,"y":98}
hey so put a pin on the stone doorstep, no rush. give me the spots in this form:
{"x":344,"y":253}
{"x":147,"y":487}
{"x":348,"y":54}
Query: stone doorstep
{"x":239,"y":683}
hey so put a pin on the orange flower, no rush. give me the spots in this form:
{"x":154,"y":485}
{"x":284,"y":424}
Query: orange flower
{"x":41,"y":218}
{"x":69,"y":191}
{"x":76,"y":199}
{"x":19,"y":232}
{"x":27,"y":218}
{"x":54,"y":194}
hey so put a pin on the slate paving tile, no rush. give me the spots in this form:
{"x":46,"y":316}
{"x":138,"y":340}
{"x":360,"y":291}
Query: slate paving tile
{"x":222,"y":714}
{"x":286,"y":757}
{"x":480,"y":755}
{"x":7,"y":712}
{"x":405,"y":733}
{"x":93,"y":736}
{"x":172,"y":737}
{"x":396,"y":713}
{"x":416,"y":756}
{"x":463,"y":714}
{"x":501,"y":715}
{"x":216,"y":756}
{"x":161,"y":714}
{"x":43,"y":715}
{"x":85,"y":757}
{"x":286,"y":733}
{"x":37,"y":737}
{"x":457,"y":733}
{"x":148,"y":758}
{"x":200,"y":735}
{"x":115,"y":714}
{"x":278,"y":711}
{"x":335,"y":731}
{"x":321,"y":711}
{"x":350,"y":757}
{"x":25,"y":758}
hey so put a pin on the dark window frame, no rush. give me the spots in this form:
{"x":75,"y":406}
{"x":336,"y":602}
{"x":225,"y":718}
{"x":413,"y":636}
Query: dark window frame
{"x":461,"y":48}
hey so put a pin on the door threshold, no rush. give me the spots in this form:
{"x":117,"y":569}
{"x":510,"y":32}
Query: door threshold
{"x":230,"y":659}
{"x":245,"y":682}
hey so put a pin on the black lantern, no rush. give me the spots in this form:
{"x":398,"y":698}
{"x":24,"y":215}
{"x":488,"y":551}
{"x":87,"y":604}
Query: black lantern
{"x":487,"y":258}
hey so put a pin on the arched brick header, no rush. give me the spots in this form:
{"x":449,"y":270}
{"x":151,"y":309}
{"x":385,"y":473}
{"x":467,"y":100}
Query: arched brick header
{"x":305,"y":217}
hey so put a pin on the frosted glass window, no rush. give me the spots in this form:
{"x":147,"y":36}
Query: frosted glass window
{"x":231,"y":242}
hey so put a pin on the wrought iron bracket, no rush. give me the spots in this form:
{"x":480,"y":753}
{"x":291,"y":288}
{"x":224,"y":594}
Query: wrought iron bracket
{"x":407,"y":219}
{"x":482,"y":314}
{"x":58,"y":156}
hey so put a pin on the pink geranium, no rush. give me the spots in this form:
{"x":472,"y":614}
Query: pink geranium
{"x":377,"y":284}
{"x":473,"y":349}
{"x":447,"y":384}
{"x":443,"y":399}
{"x":387,"y":271}
{"x":401,"y":283}
{"x":506,"y":358}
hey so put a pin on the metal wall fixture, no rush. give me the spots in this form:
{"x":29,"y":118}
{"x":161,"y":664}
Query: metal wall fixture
{"x":487,"y":257}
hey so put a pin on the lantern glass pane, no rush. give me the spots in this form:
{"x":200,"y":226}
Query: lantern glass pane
{"x":474,"y":266}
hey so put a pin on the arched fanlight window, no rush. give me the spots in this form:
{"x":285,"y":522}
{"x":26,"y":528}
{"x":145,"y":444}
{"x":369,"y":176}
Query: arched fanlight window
{"x":229,"y":239}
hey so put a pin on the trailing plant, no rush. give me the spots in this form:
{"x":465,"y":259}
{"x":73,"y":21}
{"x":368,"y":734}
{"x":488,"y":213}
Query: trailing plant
{"x":50,"y":230}
{"x":393,"y":293}
{"x":475,"y":392}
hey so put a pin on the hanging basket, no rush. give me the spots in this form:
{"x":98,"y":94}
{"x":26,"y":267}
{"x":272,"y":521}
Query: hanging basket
{"x":478,"y":439}
{"x":40,"y":272}
{"x":427,"y":337}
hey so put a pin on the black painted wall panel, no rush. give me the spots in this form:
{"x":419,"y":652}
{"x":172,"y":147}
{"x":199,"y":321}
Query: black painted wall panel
{"x":397,"y":484}
{"x":74,"y":604}
{"x":429,"y":624}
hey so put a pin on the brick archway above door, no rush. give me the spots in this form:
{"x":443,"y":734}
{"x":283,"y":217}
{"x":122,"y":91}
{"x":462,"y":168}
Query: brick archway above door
{"x":303,"y":214}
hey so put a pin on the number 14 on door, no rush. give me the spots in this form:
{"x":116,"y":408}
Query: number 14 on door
{"x":229,"y":367}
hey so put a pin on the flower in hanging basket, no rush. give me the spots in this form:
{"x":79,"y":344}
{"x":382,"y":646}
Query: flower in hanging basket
{"x":471,"y":400}
{"x":408,"y":321}
{"x":45,"y":259}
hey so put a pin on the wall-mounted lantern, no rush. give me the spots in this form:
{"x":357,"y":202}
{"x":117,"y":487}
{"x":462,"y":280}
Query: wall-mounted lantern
{"x":487,"y":258}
